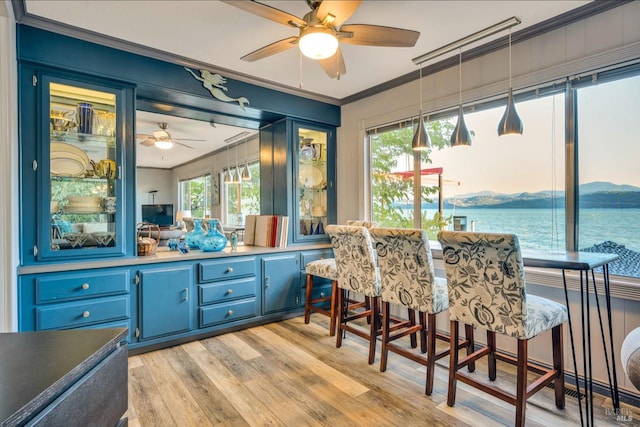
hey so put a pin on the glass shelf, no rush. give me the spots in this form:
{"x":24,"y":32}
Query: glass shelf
{"x":312,"y":180}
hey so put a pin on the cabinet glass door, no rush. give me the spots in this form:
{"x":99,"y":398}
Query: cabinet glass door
{"x":81,"y":174}
{"x":312,"y":181}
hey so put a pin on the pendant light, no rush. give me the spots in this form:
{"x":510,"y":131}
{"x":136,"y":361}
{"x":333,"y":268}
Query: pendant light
{"x":460,"y":135}
{"x":510,"y":124}
{"x":237,"y":177}
{"x":421,"y":140}
{"x":246,"y":173}
{"x":228,"y":177}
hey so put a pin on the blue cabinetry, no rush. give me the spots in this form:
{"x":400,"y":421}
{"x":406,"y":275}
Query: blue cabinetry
{"x":165,"y":300}
{"x":281,"y":282}
{"x":73,"y":300}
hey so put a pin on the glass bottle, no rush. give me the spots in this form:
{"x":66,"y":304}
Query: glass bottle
{"x":214,"y":240}
{"x":194,"y":237}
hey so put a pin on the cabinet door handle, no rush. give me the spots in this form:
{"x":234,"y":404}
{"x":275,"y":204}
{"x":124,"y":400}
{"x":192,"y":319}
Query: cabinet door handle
{"x":229,"y":270}
{"x":230,"y":313}
{"x":186,"y":294}
{"x":322,"y":294}
{"x":85,"y":286}
{"x":86,"y":314}
{"x":229,"y":291}
{"x":267,"y":281}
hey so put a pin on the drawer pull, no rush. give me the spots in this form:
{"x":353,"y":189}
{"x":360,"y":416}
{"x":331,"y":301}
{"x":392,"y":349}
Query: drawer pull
{"x":322,"y":294}
{"x":229,"y":291}
{"x":86,"y":314}
{"x":230,"y":313}
{"x":186,"y":294}
{"x":85,"y":286}
{"x":230,"y":270}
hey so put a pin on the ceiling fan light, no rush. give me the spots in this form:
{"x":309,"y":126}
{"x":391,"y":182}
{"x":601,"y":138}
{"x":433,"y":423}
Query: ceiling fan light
{"x":163,"y":144}
{"x":318,"y":42}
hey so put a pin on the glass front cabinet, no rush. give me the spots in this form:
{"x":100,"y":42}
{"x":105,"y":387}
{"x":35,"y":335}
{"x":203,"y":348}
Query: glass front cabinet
{"x":80,"y":170}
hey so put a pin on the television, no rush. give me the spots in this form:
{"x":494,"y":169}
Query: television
{"x":162,"y":214}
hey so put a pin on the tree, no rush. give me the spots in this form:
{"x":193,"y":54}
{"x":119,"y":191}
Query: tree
{"x":392,"y":195}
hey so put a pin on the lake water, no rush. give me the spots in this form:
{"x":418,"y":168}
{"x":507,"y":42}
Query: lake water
{"x":542,"y":229}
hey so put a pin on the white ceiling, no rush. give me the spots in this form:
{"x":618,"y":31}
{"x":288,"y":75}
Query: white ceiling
{"x":212,"y":32}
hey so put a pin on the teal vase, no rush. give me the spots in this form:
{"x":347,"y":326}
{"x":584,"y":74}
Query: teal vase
{"x":195,"y":237}
{"x":214,"y":240}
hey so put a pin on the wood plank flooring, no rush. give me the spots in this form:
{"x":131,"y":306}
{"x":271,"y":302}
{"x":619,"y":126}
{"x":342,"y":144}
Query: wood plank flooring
{"x":291,"y":374}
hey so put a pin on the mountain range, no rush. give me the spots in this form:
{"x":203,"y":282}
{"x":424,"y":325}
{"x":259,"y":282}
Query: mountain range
{"x":593,"y":195}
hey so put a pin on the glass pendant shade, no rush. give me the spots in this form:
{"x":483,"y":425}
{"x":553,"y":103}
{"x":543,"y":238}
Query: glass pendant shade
{"x":421,"y":140}
{"x":510,"y":124}
{"x":228,"y":176}
{"x":461,"y":135}
{"x":246,"y":173}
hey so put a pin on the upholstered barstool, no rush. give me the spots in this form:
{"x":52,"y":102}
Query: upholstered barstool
{"x":407,"y":280}
{"x":486,"y":283}
{"x":357,"y":272}
{"x":325,"y":269}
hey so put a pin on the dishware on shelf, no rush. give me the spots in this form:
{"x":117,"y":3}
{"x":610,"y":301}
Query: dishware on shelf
{"x":85,"y":117}
{"x":109,"y":204}
{"x":319,"y":211}
{"x":61,"y":121}
{"x":67,"y":160}
{"x":310,"y":176}
{"x":104,"y":168}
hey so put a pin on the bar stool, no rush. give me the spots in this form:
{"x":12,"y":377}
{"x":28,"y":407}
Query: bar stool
{"x":325,"y":269}
{"x":485,"y":277}
{"x":357,"y":272}
{"x":407,"y":279}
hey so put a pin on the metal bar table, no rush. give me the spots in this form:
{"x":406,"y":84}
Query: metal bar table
{"x":585,"y":263}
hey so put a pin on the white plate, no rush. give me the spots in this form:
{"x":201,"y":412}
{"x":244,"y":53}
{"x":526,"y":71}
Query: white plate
{"x":310,"y":176}
{"x":67,"y":167}
{"x":61,"y":151}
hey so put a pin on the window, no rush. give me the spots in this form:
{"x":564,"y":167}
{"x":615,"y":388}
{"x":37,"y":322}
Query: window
{"x":608,"y":156}
{"x":195,"y":196}
{"x":243,"y":198}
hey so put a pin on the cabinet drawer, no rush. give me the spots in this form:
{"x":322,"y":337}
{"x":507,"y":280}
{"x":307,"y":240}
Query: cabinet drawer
{"x":310,"y":256}
{"x":76,"y":314}
{"x":80,"y":284}
{"x":224,"y":269}
{"x":217,"y":314}
{"x":227,"y":290}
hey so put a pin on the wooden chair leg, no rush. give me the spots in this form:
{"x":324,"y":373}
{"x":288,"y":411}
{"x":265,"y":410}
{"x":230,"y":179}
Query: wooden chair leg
{"x":411,"y":315}
{"x":307,"y":300}
{"x":453,"y":363}
{"x":423,"y":332}
{"x":431,"y":351}
{"x":333,"y":310}
{"x":521,"y":384}
{"x":468,"y":333}
{"x":558,"y":364}
{"x":491,"y":362}
{"x":341,"y":315}
{"x":374,"y":325}
{"x":385,"y":336}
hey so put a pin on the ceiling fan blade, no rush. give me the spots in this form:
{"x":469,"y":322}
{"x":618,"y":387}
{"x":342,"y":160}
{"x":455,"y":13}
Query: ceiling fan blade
{"x":267,"y":12}
{"x":148,"y":142}
{"x":143,"y":136}
{"x":188,"y":139}
{"x":272,"y":49}
{"x":334,"y":65}
{"x":342,"y":10}
{"x":180,"y":143}
{"x":376,"y":35}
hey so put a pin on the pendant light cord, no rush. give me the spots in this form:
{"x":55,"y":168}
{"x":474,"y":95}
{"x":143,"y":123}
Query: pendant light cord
{"x":510,"y":87}
{"x":460,"y":77}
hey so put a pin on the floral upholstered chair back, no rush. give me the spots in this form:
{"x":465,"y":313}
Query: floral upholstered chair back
{"x":360,"y":223}
{"x":355,"y":259}
{"x":485,"y":276}
{"x":406,"y":270}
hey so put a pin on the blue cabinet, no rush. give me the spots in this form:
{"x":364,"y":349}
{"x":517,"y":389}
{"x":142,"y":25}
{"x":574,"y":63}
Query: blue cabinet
{"x":166,"y":300}
{"x":281,"y":282}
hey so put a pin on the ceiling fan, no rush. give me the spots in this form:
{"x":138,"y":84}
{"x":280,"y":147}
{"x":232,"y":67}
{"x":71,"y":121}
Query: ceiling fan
{"x":163,"y":139}
{"x":321,"y":32}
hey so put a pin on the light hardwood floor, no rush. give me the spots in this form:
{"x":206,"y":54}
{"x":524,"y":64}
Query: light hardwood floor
{"x":291,"y":374}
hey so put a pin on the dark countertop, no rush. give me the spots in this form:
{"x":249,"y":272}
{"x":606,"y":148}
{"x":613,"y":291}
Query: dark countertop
{"x":36,"y":367}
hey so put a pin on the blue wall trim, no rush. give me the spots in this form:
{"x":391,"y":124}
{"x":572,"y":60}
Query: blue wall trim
{"x":167,"y":82}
